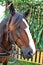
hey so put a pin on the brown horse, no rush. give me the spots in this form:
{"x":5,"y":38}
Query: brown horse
{"x":15,"y":28}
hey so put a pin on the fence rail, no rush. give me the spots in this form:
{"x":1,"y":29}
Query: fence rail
{"x":37,"y":58}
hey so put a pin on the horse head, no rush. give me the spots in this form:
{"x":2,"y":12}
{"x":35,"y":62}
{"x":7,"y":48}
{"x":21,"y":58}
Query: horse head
{"x":21,"y":34}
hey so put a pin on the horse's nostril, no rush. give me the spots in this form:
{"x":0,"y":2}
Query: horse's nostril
{"x":30,"y":52}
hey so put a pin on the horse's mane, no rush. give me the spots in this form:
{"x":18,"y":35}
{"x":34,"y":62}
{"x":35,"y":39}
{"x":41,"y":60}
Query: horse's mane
{"x":3,"y":26}
{"x":4,"y":21}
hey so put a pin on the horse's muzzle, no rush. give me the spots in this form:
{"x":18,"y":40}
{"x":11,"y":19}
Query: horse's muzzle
{"x":26,"y":53}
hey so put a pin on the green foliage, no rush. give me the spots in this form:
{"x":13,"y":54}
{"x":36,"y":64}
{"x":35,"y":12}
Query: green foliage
{"x":36,"y":25}
{"x":22,"y":63}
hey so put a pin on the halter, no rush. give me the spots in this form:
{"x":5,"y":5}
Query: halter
{"x":7,"y":53}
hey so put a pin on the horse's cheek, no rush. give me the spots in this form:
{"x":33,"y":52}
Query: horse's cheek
{"x":24,"y":38}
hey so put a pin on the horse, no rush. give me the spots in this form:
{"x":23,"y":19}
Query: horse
{"x":16,"y":28}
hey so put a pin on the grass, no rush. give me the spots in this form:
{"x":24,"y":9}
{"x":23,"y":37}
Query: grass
{"x":23,"y":63}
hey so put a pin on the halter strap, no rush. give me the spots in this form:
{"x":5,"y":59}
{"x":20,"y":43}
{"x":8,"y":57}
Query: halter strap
{"x":4,"y":54}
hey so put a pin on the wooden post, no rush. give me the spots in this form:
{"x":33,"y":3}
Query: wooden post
{"x":41,"y":58}
{"x":37,"y":59}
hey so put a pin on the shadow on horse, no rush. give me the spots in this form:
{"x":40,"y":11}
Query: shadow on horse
{"x":16,"y":28}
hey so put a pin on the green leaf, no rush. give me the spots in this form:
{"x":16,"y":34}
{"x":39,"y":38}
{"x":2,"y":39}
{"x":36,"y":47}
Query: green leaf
{"x":42,"y":44}
{"x":39,"y":34}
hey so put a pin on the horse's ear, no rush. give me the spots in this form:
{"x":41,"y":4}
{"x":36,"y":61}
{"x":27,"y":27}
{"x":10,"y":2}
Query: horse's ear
{"x":12,"y":10}
{"x":26,"y":13}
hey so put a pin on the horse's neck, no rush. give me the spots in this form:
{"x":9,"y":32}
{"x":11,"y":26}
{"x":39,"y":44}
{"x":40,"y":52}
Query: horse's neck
{"x":2,"y":28}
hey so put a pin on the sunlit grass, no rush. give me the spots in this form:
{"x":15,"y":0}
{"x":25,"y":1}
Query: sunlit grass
{"x":22,"y":63}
